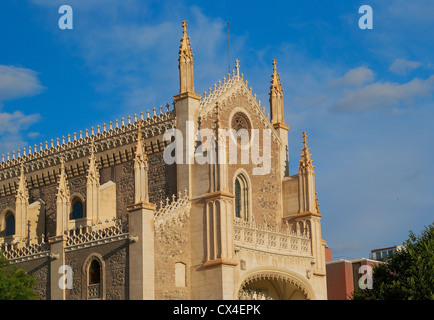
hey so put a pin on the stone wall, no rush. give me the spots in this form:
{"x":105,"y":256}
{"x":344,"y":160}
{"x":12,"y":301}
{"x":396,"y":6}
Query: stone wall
{"x":265,"y":189}
{"x":115,"y":270}
{"x":172,"y":245}
{"x":40,"y":269}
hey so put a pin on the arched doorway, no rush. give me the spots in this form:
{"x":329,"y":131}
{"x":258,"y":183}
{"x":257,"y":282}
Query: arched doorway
{"x":274,"y":285}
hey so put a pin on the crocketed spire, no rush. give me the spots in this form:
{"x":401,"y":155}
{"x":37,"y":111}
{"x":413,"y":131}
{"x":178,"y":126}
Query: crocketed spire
{"x":276,"y":97}
{"x":93,"y":172}
{"x":22,"y":192}
{"x":63,"y":188}
{"x":141,"y":169}
{"x":305,"y":161}
{"x":185,"y":63}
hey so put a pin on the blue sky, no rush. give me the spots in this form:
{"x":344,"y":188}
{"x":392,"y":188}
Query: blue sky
{"x":365,"y":97}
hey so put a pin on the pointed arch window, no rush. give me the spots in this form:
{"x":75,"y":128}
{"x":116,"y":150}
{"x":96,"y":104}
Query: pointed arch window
{"x":242,"y":199}
{"x":77,"y":209}
{"x":9,"y":224}
{"x":94,"y":280}
{"x":94,"y":272}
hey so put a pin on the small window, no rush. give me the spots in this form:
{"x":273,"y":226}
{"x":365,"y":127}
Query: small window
{"x":94,"y":289}
{"x":9,"y":224}
{"x":237,"y":199}
{"x":179,"y":274}
{"x":242,"y":201}
{"x":94,"y":273}
{"x":77,"y":210}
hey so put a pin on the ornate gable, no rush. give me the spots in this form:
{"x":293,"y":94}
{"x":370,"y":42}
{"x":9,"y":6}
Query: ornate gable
{"x":225,"y":92}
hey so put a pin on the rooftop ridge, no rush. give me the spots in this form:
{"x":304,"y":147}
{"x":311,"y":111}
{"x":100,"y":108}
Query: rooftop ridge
{"x":86,"y":137}
{"x":220,"y":87}
{"x":170,"y":205}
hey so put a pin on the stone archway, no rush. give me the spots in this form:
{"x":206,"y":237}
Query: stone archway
{"x":274,"y":285}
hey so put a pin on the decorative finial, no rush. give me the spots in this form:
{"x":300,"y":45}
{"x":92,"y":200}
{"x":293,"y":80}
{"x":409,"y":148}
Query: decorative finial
{"x":275,"y":80}
{"x":139,"y":131}
{"x":216,"y":111}
{"x":185,"y":62}
{"x":306,"y":161}
{"x":184,"y":26}
{"x":304,"y":140}
{"x":276,"y":97}
{"x":237,"y":67}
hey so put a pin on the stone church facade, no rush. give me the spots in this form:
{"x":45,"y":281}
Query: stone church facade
{"x":101,"y":214}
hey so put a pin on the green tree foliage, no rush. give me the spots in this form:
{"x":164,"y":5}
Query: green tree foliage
{"x":407,"y":274}
{"x":15,"y":284}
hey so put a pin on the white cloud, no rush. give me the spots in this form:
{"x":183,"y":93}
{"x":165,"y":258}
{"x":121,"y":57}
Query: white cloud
{"x":402,"y":66}
{"x":355,"y":77}
{"x":382,"y":95}
{"x":17,"y":82}
{"x":12,"y":126}
{"x":136,"y":57}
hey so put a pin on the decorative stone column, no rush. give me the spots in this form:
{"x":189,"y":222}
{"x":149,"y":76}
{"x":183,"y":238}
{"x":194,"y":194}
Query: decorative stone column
{"x":141,"y":229}
{"x":278,"y":119}
{"x":21,"y":206}
{"x":63,"y":201}
{"x":187,"y":111}
{"x":57,"y":260}
{"x":141,"y":251}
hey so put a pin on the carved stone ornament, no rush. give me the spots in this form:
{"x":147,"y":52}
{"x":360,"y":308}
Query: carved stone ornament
{"x":240,"y":121}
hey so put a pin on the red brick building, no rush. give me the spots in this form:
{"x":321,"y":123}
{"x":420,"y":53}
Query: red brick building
{"x":343,"y":276}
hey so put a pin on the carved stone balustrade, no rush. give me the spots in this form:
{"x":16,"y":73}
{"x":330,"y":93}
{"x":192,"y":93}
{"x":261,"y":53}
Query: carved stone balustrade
{"x":251,"y":236}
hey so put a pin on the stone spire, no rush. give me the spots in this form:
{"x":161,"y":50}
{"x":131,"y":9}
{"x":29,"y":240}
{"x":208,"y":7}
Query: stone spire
{"x":141,"y":169}
{"x":22,"y":191}
{"x":63,"y":201}
{"x":21,"y":204}
{"x":185,"y":63}
{"x":187,"y":112}
{"x":305,"y":161}
{"x":308,"y":210}
{"x":219,"y":167}
{"x":141,"y":229}
{"x":277,"y":119}
{"x":62,"y":189}
{"x":92,"y":187}
{"x":276,"y":97}
{"x":93,"y":171}
{"x":219,"y":207}
{"x":306,"y":181}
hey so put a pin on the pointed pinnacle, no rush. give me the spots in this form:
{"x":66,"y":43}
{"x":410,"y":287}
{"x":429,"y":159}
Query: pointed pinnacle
{"x":304,"y":139}
{"x":275,"y":80}
{"x":305,"y":160}
{"x":139,"y":131}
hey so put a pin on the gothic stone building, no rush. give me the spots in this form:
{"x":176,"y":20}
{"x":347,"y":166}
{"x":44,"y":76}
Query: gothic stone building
{"x":102,"y":215}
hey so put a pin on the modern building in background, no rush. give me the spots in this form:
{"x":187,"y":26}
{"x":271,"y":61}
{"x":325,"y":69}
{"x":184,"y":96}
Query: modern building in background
{"x":343,"y":277}
{"x":100,"y":213}
{"x":382,"y":253}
